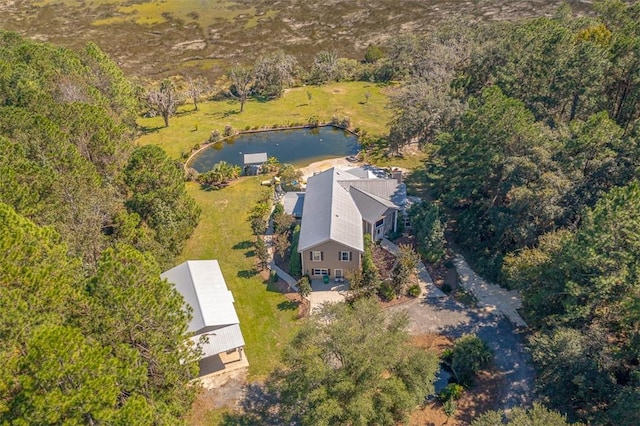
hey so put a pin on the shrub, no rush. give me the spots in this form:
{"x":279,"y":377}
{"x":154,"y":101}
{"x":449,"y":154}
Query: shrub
{"x":470,"y":355}
{"x":274,"y":276}
{"x":192,"y":175}
{"x":214,"y":136}
{"x":196,"y":147}
{"x":228,"y":130}
{"x":386,"y":291}
{"x":452,"y":391}
{"x":414,"y":291}
{"x":313,"y":121}
{"x":304,"y":285}
{"x":446,"y":287}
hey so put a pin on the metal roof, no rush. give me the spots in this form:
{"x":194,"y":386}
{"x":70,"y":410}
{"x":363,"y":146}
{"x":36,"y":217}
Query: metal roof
{"x":221,"y":340}
{"x":387,"y":191}
{"x":257,"y":158}
{"x":329,"y":213}
{"x":201,"y":284}
{"x":293,"y":203}
{"x":371,"y":208}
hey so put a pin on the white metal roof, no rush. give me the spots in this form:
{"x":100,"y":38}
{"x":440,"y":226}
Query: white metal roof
{"x":329,"y":213}
{"x":221,"y":340}
{"x":203,"y":288}
{"x":257,"y":158}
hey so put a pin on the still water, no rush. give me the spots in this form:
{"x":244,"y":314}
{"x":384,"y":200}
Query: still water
{"x":299,"y":147}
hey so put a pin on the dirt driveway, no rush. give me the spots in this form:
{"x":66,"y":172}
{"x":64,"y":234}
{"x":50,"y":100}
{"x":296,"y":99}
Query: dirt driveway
{"x":450,"y":318}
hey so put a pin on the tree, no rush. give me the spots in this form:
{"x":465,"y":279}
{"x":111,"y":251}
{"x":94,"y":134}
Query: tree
{"x":304,"y":286}
{"x":273,"y":72}
{"x":281,"y":243}
{"x":518,"y":416}
{"x":373,"y":54}
{"x":164,"y":100}
{"x":352,"y":365}
{"x":470,"y":354}
{"x":370,"y":273}
{"x":241,"y":83}
{"x":142,"y":319}
{"x":65,"y":378}
{"x":324,"y":66}
{"x":262,"y":253}
{"x":158,"y":195}
{"x":406,"y":262}
{"x":195,"y":88}
{"x":428,"y":226}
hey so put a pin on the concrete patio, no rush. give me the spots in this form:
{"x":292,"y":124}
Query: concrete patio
{"x":331,"y":292}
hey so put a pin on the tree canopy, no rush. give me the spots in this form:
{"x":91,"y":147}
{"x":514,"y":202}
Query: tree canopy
{"x":352,"y":365}
{"x":89,"y":333}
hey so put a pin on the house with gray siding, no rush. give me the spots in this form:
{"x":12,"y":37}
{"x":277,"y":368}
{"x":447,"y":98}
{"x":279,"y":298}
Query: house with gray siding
{"x":339,"y":208}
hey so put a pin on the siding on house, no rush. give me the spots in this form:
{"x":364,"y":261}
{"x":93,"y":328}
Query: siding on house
{"x":330,"y":259}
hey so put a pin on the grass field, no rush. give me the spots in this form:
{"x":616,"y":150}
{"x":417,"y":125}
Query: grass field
{"x":266,"y":318}
{"x":192,"y":127}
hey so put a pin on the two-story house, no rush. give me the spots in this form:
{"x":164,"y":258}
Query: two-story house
{"x":339,"y":208}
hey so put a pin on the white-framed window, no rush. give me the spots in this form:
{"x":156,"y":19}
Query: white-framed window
{"x":316,"y":256}
{"x":345,"y":256}
{"x":318,"y":272}
{"x":380,"y":222}
{"x":338,"y":273}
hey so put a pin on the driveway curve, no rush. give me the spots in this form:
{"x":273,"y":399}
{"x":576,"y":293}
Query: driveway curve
{"x":446,"y":316}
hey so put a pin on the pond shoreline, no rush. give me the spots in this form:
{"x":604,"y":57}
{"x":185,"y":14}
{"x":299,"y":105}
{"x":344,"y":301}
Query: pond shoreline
{"x":207,"y":144}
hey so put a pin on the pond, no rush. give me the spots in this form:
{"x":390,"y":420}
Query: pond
{"x":299,"y":147}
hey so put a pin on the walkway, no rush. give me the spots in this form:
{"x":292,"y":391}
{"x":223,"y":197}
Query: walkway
{"x":321,"y":293}
{"x":490,"y":296}
{"x":427,"y":288}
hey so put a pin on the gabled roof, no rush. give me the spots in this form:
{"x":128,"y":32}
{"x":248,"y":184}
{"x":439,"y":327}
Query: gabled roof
{"x":203,"y":288}
{"x":257,"y":158}
{"x":371,"y":207}
{"x":221,"y":340}
{"x":388,"y":191}
{"x":329,"y":213}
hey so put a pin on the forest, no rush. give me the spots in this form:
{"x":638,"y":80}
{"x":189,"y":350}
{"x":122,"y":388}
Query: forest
{"x":532,"y":133}
{"x":531,"y":130}
{"x":89,"y":333}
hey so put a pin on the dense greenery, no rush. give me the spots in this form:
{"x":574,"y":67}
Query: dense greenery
{"x":110,"y":348}
{"x":531,"y":129}
{"x":352,"y":365}
{"x":469,"y":355}
{"x":89,"y":331}
{"x":537,"y":415}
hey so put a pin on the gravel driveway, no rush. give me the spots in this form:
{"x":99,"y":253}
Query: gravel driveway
{"x":445,"y":316}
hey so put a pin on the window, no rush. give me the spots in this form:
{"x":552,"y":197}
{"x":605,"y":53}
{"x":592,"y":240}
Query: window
{"x":316,"y":256}
{"x":338,"y":273}
{"x":345,"y":256}
{"x":319,"y":272}
{"x":380,"y":222}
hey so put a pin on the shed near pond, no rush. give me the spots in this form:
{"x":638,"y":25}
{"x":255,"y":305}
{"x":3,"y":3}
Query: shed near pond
{"x":253,"y":162}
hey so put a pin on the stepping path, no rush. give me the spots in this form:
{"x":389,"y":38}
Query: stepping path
{"x":427,"y":288}
{"x":490,"y":296}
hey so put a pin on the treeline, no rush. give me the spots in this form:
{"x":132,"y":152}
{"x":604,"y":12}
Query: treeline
{"x":89,"y":333}
{"x":532,"y":134}
{"x":272,"y":73}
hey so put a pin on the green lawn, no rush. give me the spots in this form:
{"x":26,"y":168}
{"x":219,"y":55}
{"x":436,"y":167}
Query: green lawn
{"x":224,"y":234}
{"x":191,"y":127}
